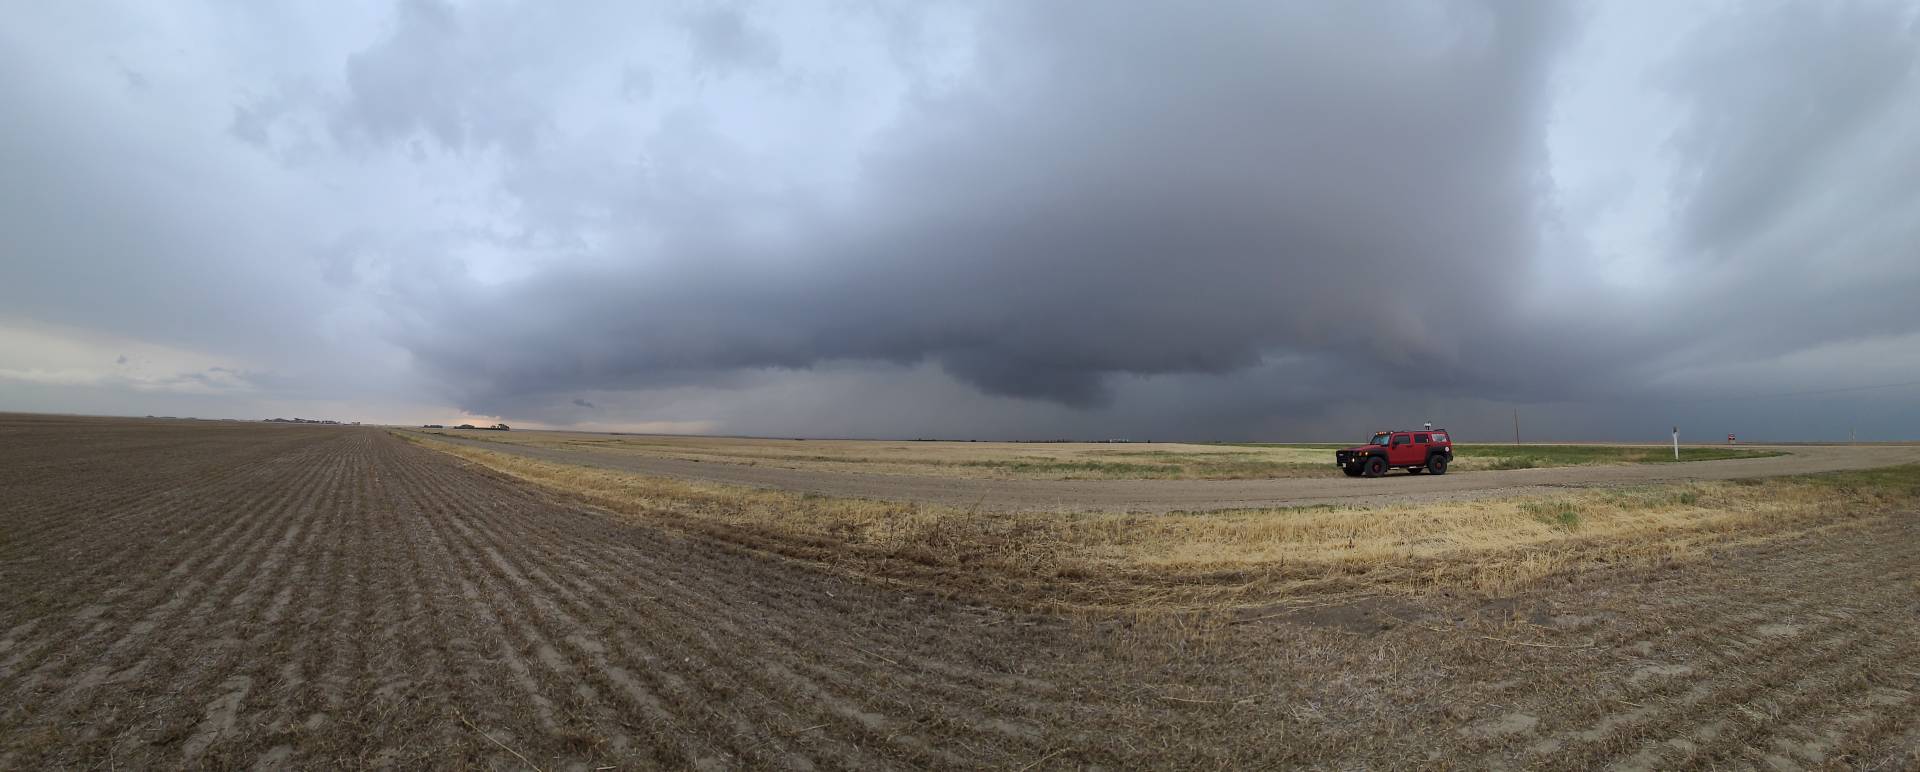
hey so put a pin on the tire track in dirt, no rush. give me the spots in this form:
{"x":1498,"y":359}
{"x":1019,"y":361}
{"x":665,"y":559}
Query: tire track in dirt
{"x":350,"y":600}
{"x":301,"y":708}
{"x":505,"y":617}
{"x":223,"y":611}
{"x":108,"y":504}
{"x":621,"y":679}
{"x":727,"y":583}
{"x":685,"y":606}
{"x":1719,"y":677}
{"x":832,"y":680}
{"x":272,"y":674}
{"x":1807,"y":688}
{"x":1870,"y":737}
{"x":236,"y":542}
{"x":378,"y":702}
{"x":791,"y":678}
{"x":665,"y":731}
{"x":277,"y":569}
{"x":411,"y":683}
{"x":868,"y":653}
{"x":1833,"y":675}
{"x":161,"y":518}
{"x":1776,"y":645}
{"x":153,"y":475}
{"x":169,"y":597}
{"x":155,"y":519}
{"x":872,"y":659}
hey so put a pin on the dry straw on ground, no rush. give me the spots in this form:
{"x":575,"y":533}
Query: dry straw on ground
{"x":1062,"y":460}
{"x":1244,"y":557}
{"x":989,"y":460}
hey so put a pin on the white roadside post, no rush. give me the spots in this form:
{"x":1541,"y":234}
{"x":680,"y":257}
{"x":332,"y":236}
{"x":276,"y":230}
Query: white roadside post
{"x":1676,"y":443}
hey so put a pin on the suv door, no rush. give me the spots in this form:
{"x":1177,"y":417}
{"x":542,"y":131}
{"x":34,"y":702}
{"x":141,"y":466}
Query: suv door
{"x":1404,"y":453}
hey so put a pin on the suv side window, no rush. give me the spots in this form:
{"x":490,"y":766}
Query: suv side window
{"x":1422,"y":439}
{"x":1439,"y":436}
{"x":1399,"y":439}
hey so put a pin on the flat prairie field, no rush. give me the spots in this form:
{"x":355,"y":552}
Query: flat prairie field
{"x":1063,"y":460}
{"x":218,"y":595}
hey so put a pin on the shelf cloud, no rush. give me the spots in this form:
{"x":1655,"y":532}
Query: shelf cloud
{"x":1007,"y":219}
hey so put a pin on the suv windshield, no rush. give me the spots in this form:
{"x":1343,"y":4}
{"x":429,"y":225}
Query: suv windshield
{"x":1379,"y":439}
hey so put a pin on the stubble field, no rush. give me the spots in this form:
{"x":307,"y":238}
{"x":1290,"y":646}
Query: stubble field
{"x":1126,"y":460}
{"x":224,"y":595}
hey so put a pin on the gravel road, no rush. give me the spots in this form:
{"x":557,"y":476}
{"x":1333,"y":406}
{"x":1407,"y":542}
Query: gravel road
{"x":1191,"y":495}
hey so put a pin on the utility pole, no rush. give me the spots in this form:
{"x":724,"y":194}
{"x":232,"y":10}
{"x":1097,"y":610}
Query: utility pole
{"x":1516,"y":426}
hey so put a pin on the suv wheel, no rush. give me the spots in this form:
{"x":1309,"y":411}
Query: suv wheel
{"x":1437,"y":464}
{"x":1375,"y":467}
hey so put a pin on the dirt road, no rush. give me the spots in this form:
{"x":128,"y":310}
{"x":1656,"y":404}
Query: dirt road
{"x":213,"y":596}
{"x":1195,"y":495}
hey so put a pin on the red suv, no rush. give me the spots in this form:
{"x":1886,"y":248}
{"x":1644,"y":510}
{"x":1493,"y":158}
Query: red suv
{"x":1428,"y":449}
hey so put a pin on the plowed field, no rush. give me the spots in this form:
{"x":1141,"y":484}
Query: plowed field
{"x":228,"y":595}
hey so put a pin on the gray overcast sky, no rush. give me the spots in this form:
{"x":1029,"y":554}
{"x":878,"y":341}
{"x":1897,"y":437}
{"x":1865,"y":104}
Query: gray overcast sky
{"x":1232,"y":220}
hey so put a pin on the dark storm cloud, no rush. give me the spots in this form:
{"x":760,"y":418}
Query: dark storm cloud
{"x":724,"y":40}
{"x":1801,"y":179}
{"x":1013,"y":219}
{"x":1131,"y":193}
{"x":1774,"y":97}
{"x":433,"y":76}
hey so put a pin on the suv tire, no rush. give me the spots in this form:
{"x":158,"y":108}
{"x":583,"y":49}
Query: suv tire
{"x":1374,"y":467}
{"x":1437,"y":464}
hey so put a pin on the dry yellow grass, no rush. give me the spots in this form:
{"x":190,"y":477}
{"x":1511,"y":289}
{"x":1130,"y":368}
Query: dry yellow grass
{"x":987,"y":460}
{"x":1233,"y":557}
{"x":1055,"y":460}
